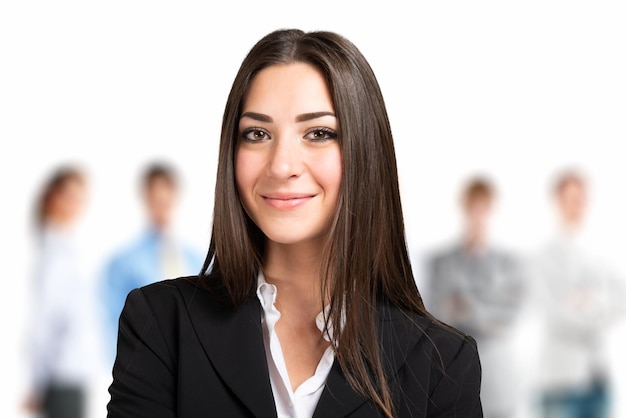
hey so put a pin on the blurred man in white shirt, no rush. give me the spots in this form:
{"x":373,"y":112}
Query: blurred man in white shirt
{"x":577,"y":298}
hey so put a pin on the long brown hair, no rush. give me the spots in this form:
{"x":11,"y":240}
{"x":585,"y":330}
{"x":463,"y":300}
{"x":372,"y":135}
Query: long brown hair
{"x":366,"y":258}
{"x":53,"y":185}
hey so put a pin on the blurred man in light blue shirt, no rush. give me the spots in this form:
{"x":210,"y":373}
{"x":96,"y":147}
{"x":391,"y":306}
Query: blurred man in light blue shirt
{"x":155,"y":255}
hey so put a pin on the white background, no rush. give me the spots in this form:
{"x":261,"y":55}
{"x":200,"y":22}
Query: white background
{"x":513,"y":90}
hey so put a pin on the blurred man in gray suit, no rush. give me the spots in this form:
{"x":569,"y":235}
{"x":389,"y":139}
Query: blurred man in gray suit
{"x":478,"y":289}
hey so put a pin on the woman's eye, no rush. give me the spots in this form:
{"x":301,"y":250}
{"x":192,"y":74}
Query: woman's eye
{"x":254,"y":135}
{"x":321,"y":135}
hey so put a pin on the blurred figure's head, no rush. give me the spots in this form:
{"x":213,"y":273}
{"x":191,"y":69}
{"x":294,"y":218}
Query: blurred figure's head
{"x":160,"y":193}
{"x":62,"y":197}
{"x":570,"y":193}
{"x":477,"y":202}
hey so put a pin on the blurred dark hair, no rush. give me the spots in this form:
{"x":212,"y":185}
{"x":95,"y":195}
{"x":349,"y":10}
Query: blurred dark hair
{"x":57,"y":180}
{"x":159,"y":170}
{"x":366,"y":258}
{"x":478,"y":188}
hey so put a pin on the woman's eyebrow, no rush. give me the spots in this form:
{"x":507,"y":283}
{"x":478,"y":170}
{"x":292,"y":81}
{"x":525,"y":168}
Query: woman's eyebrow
{"x":313,"y":115}
{"x":300,"y":118}
{"x":257,"y":116}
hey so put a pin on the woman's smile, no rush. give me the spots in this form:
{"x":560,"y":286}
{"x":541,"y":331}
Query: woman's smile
{"x":287,"y":201}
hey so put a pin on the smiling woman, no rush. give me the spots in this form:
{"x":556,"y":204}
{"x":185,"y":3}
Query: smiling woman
{"x":288,"y":161}
{"x":306,"y":305}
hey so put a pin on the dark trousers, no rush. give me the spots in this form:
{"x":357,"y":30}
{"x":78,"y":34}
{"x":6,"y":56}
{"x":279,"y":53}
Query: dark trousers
{"x":64,"y":402}
{"x":592,"y":403}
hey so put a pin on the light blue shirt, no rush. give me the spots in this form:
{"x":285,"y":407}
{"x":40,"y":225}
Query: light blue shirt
{"x":137,"y":265}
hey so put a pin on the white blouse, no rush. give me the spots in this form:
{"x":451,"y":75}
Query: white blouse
{"x":300,"y":403}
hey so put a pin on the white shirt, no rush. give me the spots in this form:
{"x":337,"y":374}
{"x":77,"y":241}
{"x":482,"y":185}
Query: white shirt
{"x":59,"y":348}
{"x":578,"y":296}
{"x":300,"y":403}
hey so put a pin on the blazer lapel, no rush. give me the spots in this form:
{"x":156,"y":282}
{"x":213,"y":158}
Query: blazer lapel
{"x":233,"y":341}
{"x":398,"y":335}
{"x":338,"y":398}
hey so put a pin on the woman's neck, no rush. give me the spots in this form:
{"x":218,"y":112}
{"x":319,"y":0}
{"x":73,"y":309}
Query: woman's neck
{"x":59,"y":223}
{"x":295,"y":271}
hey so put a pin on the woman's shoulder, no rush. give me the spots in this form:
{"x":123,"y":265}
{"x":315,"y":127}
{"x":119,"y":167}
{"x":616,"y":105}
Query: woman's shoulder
{"x":448,"y":338}
{"x":421,"y":334}
{"x":177,"y":294}
{"x":433,"y":359}
{"x":169,"y":288}
{"x":451,"y":358}
{"x":424,"y":323}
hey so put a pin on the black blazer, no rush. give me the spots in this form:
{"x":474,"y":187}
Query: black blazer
{"x":183,"y":354}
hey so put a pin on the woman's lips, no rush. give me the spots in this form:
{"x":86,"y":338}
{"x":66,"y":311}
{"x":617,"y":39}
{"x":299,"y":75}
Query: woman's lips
{"x":287,"y":201}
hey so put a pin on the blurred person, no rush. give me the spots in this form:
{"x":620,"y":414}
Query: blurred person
{"x":578,"y":297}
{"x":156,"y":254}
{"x":57,"y":348}
{"x":478,"y":288}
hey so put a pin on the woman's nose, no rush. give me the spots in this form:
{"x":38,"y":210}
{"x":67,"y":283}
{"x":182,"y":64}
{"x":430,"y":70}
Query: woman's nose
{"x":285,"y":160}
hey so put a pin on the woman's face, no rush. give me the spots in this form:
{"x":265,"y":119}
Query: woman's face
{"x":67,"y":203}
{"x":288,"y":161}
